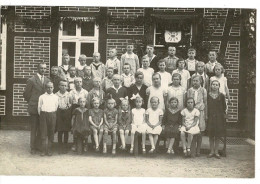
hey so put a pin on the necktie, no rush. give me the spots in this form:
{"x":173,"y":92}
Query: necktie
{"x":42,"y":80}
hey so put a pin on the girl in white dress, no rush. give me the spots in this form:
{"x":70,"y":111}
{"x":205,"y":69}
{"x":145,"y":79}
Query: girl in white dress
{"x":157,"y":90}
{"x":153,"y":118}
{"x":190,"y":125}
{"x":138,"y":122}
{"x":177,"y":91}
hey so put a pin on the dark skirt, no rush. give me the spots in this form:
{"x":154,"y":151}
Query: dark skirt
{"x":63,"y":120}
{"x":216,"y":125}
{"x":171,"y":131}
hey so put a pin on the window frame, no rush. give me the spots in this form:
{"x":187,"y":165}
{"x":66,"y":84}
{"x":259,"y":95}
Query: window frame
{"x":77,"y":39}
{"x":3,"y":36}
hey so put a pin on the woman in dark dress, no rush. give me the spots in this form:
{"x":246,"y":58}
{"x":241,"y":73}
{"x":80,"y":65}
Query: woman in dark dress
{"x":216,"y":118}
{"x":171,"y":122}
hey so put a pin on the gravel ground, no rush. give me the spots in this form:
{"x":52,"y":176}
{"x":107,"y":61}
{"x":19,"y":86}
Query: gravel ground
{"x":15,"y":159}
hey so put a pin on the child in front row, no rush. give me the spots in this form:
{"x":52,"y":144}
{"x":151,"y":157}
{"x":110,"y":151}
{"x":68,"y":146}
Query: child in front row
{"x":110,"y":124}
{"x":190,"y":121}
{"x":153,"y":118}
{"x":138,"y":122}
{"x":127,"y":78}
{"x":147,"y":71}
{"x":96,"y":121}
{"x":124,"y":121}
{"x":80,"y":126}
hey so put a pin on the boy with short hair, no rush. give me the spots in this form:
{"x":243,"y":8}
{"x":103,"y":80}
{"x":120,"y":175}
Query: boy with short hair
{"x":117,"y":91}
{"x":153,"y":59}
{"x":107,"y":81}
{"x":131,"y":58}
{"x":147,"y":71}
{"x":65,"y":64}
{"x":87,"y":79}
{"x":191,"y":61}
{"x":113,"y":62}
{"x":171,"y":59}
{"x":127,"y":78}
{"x":47,"y":107}
{"x":56,"y":77}
{"x":79,"y":69}
{"x":98,"y":69}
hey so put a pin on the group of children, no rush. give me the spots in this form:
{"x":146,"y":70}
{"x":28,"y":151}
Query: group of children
{"x":175,"y":98}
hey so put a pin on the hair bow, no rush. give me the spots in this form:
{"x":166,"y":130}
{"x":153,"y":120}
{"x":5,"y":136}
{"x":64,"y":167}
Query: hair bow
{"x":126,"y":98}
{"x":135,"y":96}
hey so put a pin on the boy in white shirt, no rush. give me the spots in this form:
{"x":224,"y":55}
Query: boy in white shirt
{"x":191,"y":61}
{"x":98,"y":69}
{"x":147,"y":71}
{"x":113,"y":62}
{"x":166,"y":77}
{"x":127,"y":78}
{"x":47,"y":107}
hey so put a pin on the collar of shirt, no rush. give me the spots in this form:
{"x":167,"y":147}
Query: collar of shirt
{"x":76,"y":92}
{"x":196,"y":89}
{"x":149,"y":57}
{"x":86,"y":77}
{"x":80,"y":67}
{"x":116,"y":88}
{"x":40,"y":76}
{"x":192,"y":61}
{"x":174,"y":57}
{"x":124,"y":111}
{"x":129,"y":75}
{"x":62,"y":95}
{"x":66,"y":67}
{"x":49,"y":94}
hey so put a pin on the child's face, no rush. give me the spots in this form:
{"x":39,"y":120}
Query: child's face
{"x":145,"y":63}
{"x":78,"y":83}
{"x":117,"y":81}
{"x":174,"y":104}
{"x":215,"y":86}
{"x":200,"y":68}
{"x":190,"y":104}
{"x":110,"y":73}
{"x":124,"y":106}
{"x":82,"y":103}
{"x":191,"y":54}
{"x":63,"y":86}
{"x":49,"y":88}
{"x":110,"y":104}
{"x":218,"y":71}
{"x":87,"y":71}
{"x":171,"y":51}
{"x":196,"y":82}
{"x":54,"y":71}
{"x":162,"y":66}
{"x":176,"y":81}
{"x":149,"y":50}
{"x":65,"y":60}
{"x":139,"y":79}
{"x":112,"y":53}
{"x":212,"y":56}
{"x":154,"y":103}
{"x":82,"y":61}
{"x":129,"y":48}
{"x":126,"y":69}
{"x":72,"y":71}
{"x":96,"y":83}
{"x":138,"y":103}
{"x":156,"y":80}
{"x":96,"y":104}
{"x":96,"y":58}
{"x":181,"y":64}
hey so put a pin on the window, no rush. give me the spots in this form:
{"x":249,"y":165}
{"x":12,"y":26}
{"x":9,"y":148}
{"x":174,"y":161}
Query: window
{"x":3,"y":57}
{"x":177,"y":34}
{"x":75,"y":39}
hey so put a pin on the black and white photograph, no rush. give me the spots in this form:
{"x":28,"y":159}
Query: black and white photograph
{"x":127,"y":91}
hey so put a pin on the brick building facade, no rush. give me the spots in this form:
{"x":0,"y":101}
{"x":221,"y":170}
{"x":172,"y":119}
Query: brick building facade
{"x":27,"y":46}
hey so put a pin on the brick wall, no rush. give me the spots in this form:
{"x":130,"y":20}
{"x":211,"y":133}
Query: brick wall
{"x":19,"y":104}
{"x":121,"y":12}
{"x":174,"y":9}
{"x":120,"y":45}
{"x":215,"y":18}
{"x":32,"y":12}
{"x":232,"y":61}
{"x":79,"y":8}
{"x":235,"y":28}
{"x":28,"y":52}
{"x":2,"y":105}
{"x":233,"y":108}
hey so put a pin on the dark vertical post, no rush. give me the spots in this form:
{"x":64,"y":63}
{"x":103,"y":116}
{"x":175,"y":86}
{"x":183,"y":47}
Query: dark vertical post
{"x":102,"y":42}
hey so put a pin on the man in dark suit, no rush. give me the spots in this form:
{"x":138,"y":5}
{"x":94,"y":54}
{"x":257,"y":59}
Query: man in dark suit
{"x":34,"y":88}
